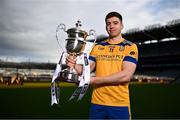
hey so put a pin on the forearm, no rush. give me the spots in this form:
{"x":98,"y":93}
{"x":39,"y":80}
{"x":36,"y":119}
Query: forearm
{"x":123,"y":76}
{"x":113,"y":79}
{"x":78,"y":68}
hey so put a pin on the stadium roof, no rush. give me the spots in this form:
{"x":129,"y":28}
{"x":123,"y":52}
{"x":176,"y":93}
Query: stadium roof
{"x":154,"y":32}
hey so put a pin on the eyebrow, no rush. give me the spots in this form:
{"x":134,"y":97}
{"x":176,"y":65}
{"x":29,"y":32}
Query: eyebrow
{"x":112,"y":22}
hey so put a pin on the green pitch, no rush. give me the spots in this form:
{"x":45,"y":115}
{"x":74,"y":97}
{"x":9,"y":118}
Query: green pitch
{"x":32,"y":100}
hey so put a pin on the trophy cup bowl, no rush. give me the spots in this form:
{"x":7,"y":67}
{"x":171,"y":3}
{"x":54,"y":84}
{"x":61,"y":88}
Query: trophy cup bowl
{"x":75,"y":46}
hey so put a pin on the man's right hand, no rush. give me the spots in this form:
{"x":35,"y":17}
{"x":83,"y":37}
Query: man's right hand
{"x":71,"y":61}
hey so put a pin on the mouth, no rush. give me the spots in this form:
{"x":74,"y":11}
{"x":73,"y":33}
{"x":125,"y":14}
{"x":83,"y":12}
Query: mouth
{"x":112,"y":31}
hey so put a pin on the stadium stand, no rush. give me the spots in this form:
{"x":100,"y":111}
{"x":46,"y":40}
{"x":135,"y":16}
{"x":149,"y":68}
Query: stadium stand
{"x":159,"y":53}
{"x":154,"y":32}
{"x":159,"y":50}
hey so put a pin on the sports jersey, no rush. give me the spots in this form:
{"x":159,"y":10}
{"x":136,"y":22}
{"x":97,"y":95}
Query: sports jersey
{"x":109,"y":57}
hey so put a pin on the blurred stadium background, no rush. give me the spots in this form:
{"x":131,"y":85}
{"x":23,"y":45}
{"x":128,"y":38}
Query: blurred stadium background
{"x":25,"y":86}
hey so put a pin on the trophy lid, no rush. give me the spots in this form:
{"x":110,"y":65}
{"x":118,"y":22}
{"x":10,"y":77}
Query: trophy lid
{"x":77,"y":32}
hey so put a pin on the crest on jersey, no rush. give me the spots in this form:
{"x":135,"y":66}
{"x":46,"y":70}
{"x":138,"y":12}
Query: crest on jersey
{"x":111,"y":48}
{"x":121,"y":48}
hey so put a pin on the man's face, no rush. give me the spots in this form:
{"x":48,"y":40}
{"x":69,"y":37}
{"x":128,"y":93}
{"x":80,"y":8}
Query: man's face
{"x":114,"y":26}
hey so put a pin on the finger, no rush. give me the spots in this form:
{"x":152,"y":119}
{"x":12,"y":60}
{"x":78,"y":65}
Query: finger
{"x":70,"y":65}
{"x":68,"y":60}
{"x":72,"y":56}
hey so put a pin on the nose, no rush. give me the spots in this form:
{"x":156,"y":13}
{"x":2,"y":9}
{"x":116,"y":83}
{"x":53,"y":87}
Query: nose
{"x":111,"y":26}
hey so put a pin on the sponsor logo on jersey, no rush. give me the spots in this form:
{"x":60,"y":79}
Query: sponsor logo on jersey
{"x":100,"y":48}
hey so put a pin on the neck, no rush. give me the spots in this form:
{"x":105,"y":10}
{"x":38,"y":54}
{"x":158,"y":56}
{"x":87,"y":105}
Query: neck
{"x":115,"y":38}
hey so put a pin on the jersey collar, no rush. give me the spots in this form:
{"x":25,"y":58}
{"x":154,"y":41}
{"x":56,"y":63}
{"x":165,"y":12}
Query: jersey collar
{"x":115,"y":42}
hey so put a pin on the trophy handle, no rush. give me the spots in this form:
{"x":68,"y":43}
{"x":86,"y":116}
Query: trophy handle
{"x":60,"y":27}
{"x":93,"y":33}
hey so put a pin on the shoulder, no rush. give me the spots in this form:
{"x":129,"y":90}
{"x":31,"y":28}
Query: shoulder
{"x":130,"y":46}
{"x":128,"y":43}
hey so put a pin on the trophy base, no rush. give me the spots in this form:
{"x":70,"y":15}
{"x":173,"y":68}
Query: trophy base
{"x":69,"y":77}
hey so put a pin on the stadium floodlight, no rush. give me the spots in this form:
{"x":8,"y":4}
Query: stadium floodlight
{"x":154,"y":41}
{"x":147,"y":42}
{"x":169,"y":39}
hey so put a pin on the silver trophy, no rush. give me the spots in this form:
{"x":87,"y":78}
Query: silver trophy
{"x":77,"y":46}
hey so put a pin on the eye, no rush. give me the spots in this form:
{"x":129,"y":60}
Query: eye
{"x":115,"y":22}
{"x":108,"y":23}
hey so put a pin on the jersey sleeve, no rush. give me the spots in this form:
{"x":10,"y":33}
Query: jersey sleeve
{"x":132,"y":54}
{"x":93,"y":54}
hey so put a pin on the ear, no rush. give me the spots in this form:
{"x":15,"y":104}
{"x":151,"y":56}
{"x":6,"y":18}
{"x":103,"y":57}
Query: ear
{"x":122,"y":26}
{"x":106,"y":27}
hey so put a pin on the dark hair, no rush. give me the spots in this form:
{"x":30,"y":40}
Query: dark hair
{"x":113,"y":14}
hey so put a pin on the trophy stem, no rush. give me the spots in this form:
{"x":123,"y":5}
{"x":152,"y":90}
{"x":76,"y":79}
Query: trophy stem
{"x":70,"y":74}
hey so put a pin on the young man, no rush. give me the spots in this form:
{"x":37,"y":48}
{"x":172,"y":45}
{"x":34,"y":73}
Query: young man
{"x":115,"y":62}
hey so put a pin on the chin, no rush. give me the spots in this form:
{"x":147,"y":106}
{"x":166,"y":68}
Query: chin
{"x":113,"y":36}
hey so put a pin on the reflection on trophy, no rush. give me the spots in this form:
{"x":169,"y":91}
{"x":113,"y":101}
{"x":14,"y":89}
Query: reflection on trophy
{"x":78,"y":46}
